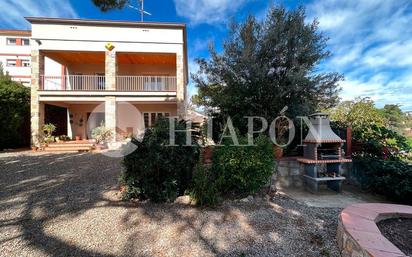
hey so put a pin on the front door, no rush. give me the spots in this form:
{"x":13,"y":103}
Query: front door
{"x":57,"y":116}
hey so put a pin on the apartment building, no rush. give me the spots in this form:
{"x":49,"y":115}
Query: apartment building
{"x":105,"y":63}
{"x":15,"y":54}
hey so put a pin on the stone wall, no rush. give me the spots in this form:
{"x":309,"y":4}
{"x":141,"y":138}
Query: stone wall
{"x":349,"y":247}
{"x":288,"y":173}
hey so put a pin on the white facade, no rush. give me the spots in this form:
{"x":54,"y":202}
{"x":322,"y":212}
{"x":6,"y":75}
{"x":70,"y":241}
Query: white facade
{"x":106,"y":63}
{"x":15,"y":54}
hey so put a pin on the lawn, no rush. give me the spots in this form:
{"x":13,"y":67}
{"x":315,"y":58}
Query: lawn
{"x":69,"y":205}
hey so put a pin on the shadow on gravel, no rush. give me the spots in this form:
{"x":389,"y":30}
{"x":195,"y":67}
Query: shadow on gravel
{"x":61,"y":184}
{"x":71,"y":184}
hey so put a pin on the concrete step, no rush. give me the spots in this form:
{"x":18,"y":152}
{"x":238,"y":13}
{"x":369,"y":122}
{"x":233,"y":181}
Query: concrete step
{"x":68,"y":149}
{"x":59,"y":145}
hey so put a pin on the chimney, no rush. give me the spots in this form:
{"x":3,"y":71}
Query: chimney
{"x":321,"y":131}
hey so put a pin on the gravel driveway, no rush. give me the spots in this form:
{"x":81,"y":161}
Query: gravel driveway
{"x":68,"y":205}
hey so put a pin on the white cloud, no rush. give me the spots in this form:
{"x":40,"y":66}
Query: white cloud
{"x":381,"y":89}
{"x":207,"y":11}
{"x":370,"y":42}
{"x":14,"y":12}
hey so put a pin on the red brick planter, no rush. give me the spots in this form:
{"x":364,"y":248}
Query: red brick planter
{"x":358,"y":234}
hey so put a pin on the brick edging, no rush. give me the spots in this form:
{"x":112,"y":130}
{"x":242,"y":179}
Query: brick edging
{"x":358,"y":234}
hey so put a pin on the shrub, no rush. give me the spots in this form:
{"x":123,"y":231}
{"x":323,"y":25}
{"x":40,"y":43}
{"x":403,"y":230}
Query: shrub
{"x":156,"y":171}
{"x":242,"y":170}
{"x":48,"y":130}
{"x":380,"y":143}
{"x":101,"y":134}
{"x":391,"y":178}
{"x":14,"y":113}
{"x":204,"y":189}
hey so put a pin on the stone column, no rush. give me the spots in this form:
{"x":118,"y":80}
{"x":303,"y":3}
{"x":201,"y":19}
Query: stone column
{"x":37,"y":108}
{"x":110,"y":70}
{"x":110,"y":114}
{"x":180,"y":86}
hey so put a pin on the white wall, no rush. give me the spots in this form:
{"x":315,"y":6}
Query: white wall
{"x":21,"y":52}
{"x":107,"y":33}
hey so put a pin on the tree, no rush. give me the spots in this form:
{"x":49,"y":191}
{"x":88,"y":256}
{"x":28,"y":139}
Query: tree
{"x":394,"y":116}
{"x":265,"y":66}
{"x":360,"y":112}
{"x":106,"y":5}
{"x":14,"y":112}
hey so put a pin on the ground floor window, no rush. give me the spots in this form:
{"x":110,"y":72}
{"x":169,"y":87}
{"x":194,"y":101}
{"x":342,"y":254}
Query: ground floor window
{"x":151,"y":117}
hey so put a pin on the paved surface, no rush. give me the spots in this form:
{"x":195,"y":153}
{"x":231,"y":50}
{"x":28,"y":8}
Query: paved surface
{"x":327,"y":198}
{"x":68,"y":205}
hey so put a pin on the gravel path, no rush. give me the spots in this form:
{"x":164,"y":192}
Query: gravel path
{"x":68,"y":205}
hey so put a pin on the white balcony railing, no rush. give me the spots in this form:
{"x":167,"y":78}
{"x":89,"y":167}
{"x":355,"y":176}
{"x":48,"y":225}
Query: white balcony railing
{"x":145,"y":83}
{"x":97,"y":83}
{"x":73,"y":83}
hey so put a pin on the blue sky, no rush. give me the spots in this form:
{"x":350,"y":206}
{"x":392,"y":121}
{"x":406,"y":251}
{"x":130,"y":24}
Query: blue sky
{"x":371,"y":40}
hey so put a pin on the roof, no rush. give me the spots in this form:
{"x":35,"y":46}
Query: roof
{"x":195,"y":116}
{"x":118,"y":23}
{"x":15,"y":32}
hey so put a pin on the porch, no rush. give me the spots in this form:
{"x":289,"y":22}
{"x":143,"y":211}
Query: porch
{"x":77,"y":119}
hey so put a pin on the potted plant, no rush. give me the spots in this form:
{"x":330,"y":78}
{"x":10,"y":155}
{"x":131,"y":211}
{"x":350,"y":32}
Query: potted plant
{"x":48,"y":130}
{"x":207,"y":143}
{"x":281,"y":127}
{"x":278,"y":152}
{"x":101,"y":135}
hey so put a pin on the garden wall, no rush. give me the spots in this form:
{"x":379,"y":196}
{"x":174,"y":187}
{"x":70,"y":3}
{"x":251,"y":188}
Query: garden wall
{"x":289,"y":173}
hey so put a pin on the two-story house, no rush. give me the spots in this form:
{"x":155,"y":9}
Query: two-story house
{"x":103,"y":63}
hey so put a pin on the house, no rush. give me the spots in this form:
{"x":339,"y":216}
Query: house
{"x":15,"y":54}
{"x":85,"y":72}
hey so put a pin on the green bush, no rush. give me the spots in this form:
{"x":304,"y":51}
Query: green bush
{"x":236,"y":171}
{"x":242,"y":170}
{"x":380,"y":142}
{"x":204,"y":189}
{"x":157,"y":171}
{"x":101,"y":134}
{"x":14,"y":113}
{"x":391,"y":178}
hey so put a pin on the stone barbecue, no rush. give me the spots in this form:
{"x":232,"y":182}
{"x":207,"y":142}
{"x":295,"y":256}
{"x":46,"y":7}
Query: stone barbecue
{"x":322,"y":155}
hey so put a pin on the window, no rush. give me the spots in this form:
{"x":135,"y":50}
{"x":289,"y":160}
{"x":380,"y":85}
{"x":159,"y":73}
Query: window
{"x":150,"y":118}
{"x":25,"y":63}
{"x":25,"y":41}
{"x":11,"y":63}
{"x":12,"y":41}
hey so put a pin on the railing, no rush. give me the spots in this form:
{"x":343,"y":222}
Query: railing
{"x":97,"y":83}
{"x":145,"y":83}
{"x":73,"y":83}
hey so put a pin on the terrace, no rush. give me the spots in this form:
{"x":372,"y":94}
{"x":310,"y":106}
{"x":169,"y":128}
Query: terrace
{"x":87,"y":71}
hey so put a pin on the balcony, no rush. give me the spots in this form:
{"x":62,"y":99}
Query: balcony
{"x":97,"y":83}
